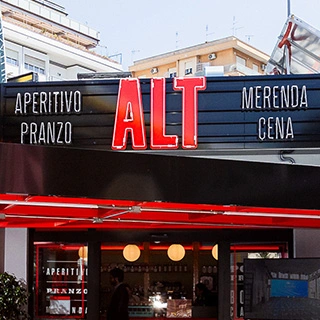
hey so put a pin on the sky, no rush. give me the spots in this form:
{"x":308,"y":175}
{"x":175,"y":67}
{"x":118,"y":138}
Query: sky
{"x":136,"y":29}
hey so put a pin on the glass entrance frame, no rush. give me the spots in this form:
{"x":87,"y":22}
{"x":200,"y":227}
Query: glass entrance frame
{"x":239,"y":252}
{"x":94,"y":239}
{"x":60,"y":278}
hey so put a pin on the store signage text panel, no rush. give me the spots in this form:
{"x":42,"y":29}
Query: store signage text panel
{"x":164,"y":114}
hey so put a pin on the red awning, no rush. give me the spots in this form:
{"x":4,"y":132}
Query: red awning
{"x":43,"y":212}
{"x":48,"y":187}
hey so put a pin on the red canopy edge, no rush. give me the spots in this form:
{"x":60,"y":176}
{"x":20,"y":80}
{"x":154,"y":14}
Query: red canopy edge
{"x":57,"y":212}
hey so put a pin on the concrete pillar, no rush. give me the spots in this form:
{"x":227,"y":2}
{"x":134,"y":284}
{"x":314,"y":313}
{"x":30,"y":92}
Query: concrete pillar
{"x":306,"y":243}
{"x":2,"y":233}
{"x":224,"y":280}
{"x":16,"y":252}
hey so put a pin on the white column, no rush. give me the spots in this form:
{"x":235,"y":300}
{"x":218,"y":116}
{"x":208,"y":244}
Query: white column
{"x":2,"y":232}
{"x":15,"y":252}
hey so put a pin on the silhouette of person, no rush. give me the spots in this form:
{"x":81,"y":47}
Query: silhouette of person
{"x":118,"y":307}
{"x":203,"y":296}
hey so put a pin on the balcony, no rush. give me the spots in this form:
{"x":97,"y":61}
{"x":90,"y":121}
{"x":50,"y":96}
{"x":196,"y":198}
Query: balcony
{"x":48,"y":20}
{"x":205,"y":69}
{"x":240,"y":69}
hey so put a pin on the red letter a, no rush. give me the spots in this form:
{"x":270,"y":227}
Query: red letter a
{"x":129,"y":116}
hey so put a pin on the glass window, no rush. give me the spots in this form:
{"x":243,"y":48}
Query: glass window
{"x":159,"y":283}
{"x":172,"y":72}
{"x":34,"y":64}
{"x":188,"y":71}
{"x":237,"y":256}
{"x":112,"y":256}
{"x":241,"y":60}
{"x":61,"y":280}
{"x":255,"y":67}
{"x":188,"y":68}
{"x":12,"y":57}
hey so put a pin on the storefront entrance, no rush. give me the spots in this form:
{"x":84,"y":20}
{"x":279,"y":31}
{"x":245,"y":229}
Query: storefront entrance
{"x":115,"y":202}
{"x":71,"y":271}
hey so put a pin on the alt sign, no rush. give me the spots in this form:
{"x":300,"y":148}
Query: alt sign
{"x":165,"y":114}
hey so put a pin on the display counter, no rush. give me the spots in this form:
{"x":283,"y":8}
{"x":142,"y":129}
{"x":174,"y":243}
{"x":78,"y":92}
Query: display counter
{"x":174,"y":311}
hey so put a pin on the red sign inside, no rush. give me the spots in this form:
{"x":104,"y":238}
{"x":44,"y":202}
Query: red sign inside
{"x":130,"y":117}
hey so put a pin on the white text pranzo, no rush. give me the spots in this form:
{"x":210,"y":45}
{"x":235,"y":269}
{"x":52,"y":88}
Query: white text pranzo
{"x":275,"y":98}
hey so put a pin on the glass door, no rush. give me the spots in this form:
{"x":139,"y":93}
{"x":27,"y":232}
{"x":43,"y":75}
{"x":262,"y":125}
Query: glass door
{"x":60,"y":277}
{"x":238,"y":253}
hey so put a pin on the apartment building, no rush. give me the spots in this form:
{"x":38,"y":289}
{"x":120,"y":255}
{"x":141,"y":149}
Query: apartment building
{"x":39,"y":37}
{"x":228,"y":56}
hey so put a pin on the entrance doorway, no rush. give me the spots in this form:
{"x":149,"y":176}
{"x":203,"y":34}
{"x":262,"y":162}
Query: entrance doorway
{"x":70,"y":270}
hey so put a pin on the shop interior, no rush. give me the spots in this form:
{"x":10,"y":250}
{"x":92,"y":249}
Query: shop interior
{"x":161,"y":275}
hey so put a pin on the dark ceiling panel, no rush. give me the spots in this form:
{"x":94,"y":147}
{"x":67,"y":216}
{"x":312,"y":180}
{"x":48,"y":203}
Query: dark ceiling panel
{"x":142,"y":177}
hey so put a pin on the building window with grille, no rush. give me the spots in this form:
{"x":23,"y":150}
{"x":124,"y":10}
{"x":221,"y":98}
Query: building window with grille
{"x":188,"y":68}
{"x":255,"y":67}
{"x":34,"y":64}
{"x":12,"y":57}
{"x":241,"y":61}
{"x":172,"y":72}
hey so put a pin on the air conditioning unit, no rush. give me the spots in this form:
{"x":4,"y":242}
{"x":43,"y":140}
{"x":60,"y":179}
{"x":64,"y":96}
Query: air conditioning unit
{"x":154,"y":70}
{"x":212,"y":56}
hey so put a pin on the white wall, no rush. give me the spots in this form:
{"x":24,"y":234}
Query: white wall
{"x":2,"y":232}
{"x":15,"y":250}
{"x":72,"y":72}
{"x":57,"y":73}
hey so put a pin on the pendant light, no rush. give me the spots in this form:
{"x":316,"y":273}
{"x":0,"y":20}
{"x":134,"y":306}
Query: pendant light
{"x":176,"y":252}
{"x":215,"y":251}
{"x":131,"y":252}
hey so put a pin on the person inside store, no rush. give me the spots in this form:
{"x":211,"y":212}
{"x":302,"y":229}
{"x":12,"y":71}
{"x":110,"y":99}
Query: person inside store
{"x":204,"y":297}
{"x":118,"y":307}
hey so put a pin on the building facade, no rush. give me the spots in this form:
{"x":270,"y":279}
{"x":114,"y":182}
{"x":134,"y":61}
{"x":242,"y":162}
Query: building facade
{"x":229,"y":56}
{"x":39,"y":37}
{"x":66,"y":188}
{"x":71,"y":203}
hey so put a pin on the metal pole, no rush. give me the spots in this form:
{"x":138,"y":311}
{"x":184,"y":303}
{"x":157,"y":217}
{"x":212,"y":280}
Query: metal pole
{"x":288,"y":6}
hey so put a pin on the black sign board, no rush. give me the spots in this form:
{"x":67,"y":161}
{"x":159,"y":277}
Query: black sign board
{"x":252,"y":112}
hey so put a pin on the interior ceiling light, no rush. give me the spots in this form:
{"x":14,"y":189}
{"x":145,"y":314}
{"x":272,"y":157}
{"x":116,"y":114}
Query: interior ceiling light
{"x":131,"y":252}
{"x":215,"y":251}
{"x":176,"y":252}
{"x":83,"y":252}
